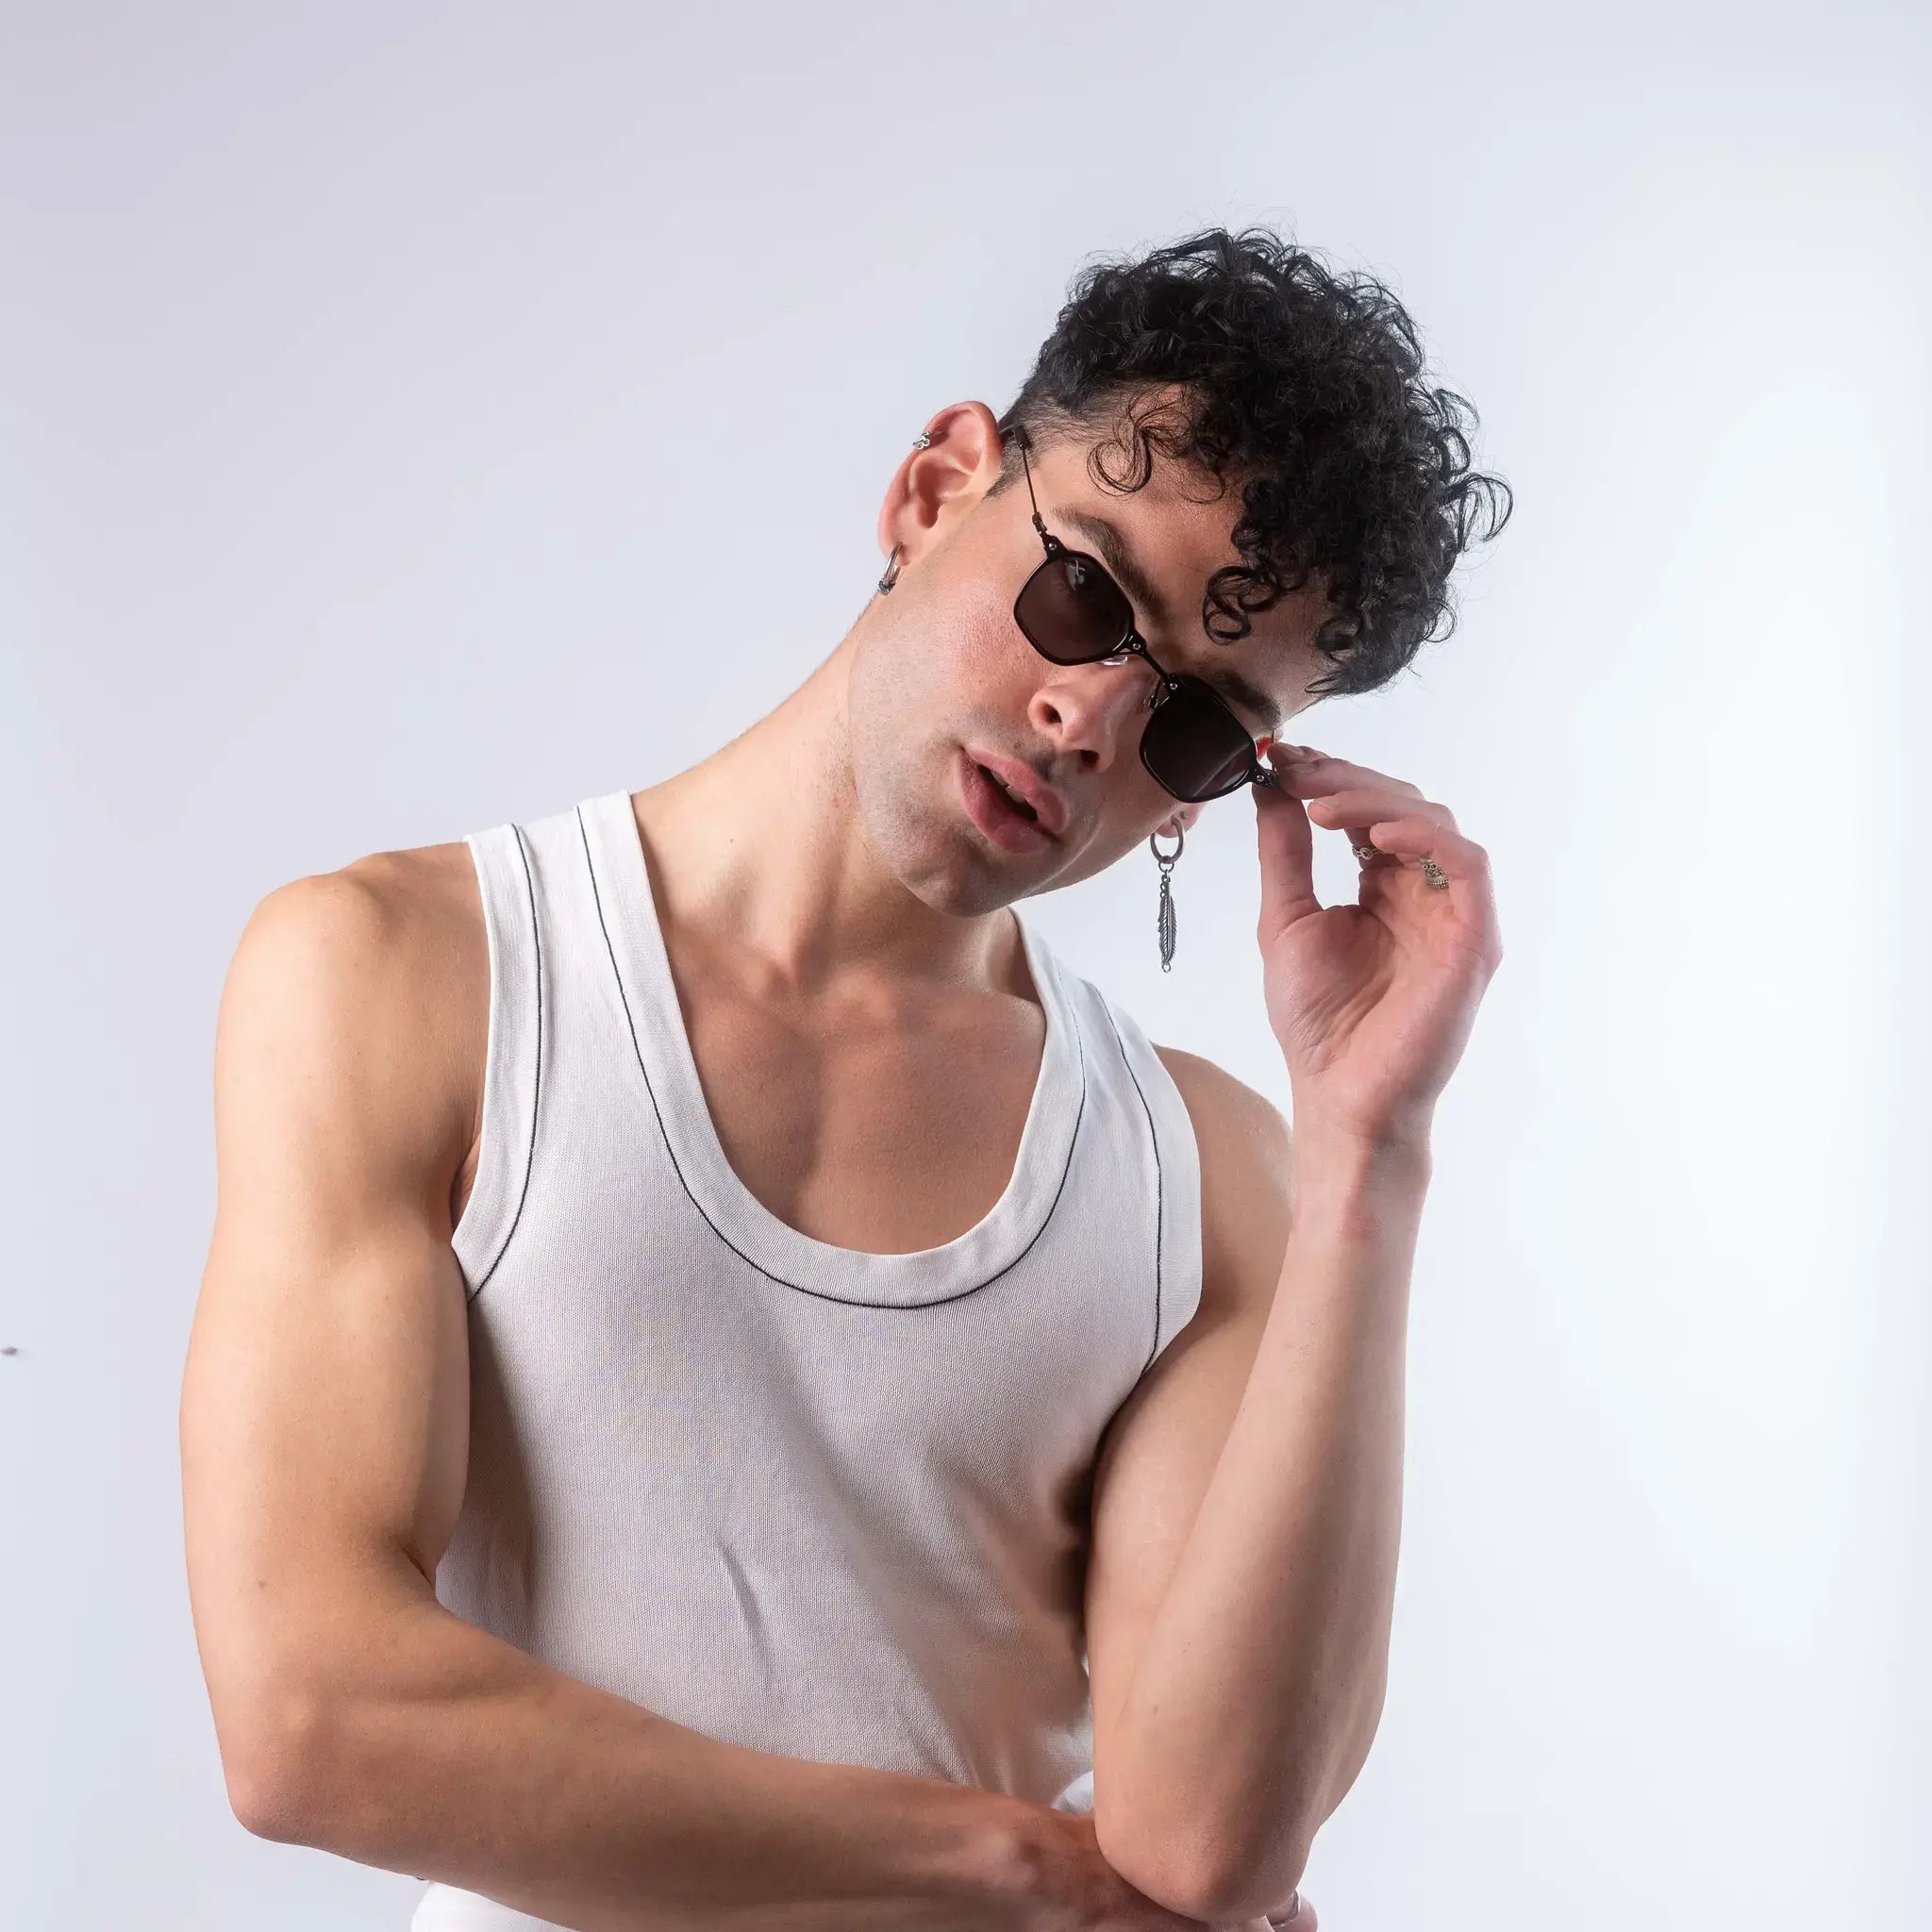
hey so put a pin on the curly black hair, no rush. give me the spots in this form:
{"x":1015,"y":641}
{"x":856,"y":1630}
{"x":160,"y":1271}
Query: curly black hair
{"x":1247,"y":356}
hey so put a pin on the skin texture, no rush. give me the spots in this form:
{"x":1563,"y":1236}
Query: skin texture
{"x":835,"y":927}
{"x":941,"y":662}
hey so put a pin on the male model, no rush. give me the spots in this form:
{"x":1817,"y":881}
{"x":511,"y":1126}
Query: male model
{"x":732,"y":1388}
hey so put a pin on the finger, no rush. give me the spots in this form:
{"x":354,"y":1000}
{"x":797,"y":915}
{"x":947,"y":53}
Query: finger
{"x":1285,"y":846}
{"x":1463,"y":861}
{"x":1311,"y":772}
{"x":1360,"y":806}
{"x":1418,"y":837}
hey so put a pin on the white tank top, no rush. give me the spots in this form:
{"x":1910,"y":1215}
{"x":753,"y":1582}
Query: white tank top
{"x":794,"y":1496}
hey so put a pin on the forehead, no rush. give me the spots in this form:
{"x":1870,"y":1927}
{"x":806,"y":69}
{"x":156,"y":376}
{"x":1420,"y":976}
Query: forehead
{"x":1162,"y":543}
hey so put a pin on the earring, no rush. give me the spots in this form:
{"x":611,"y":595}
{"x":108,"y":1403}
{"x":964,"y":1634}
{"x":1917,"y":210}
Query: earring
{"x":923,"y":440}
{"x":1167,"y":861}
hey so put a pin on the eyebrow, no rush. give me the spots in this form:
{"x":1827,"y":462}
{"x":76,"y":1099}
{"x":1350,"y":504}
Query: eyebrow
{"x":1230,"y":683}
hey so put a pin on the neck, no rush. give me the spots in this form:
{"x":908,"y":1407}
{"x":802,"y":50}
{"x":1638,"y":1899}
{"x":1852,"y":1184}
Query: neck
{"x":759,"y":854}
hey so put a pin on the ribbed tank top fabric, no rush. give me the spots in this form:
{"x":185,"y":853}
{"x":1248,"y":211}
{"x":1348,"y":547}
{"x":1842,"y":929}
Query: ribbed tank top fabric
{"x":791,"y":1496}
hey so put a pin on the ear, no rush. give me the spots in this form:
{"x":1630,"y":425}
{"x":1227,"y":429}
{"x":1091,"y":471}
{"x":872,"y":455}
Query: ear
{"x":954,"y":469}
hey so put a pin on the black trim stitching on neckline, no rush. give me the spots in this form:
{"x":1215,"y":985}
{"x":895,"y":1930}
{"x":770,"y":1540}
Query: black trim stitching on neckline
{"x":847,"y":1301}
{"x":537,"y":1078}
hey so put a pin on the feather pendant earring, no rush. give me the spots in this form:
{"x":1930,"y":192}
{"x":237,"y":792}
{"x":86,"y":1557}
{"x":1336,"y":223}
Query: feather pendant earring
{"x":1167,"y":861}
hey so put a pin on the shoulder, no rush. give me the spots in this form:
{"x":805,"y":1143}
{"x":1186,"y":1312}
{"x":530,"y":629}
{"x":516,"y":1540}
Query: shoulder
{"x":1224,"y":1107}
{"x":391,"y":923}
{"x":369,"y":988}
{"x":1245,"y":1147}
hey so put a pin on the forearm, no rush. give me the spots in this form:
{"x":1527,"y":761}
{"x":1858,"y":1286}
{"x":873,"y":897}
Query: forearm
{"x":1256,"y":1690}
{"x":440,"y":1751}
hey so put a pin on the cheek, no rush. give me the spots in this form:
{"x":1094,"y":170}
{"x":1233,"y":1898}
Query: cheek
{"x":933,"y":672}
{"x":989,"y":647}
{"x":985,"y":675}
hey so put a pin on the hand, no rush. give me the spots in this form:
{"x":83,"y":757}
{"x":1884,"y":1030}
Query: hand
{"x":1373,"y":1003}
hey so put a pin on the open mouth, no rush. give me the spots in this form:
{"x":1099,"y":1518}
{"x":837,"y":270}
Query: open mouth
{"x":1010,"y":796}
{"x":1007,"y":821}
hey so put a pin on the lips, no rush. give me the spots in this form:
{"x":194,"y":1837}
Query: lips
{"x":999,"y":818}
{"x":1049,"y":809}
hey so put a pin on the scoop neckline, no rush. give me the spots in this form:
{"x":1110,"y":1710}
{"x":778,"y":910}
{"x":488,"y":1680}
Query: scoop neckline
{"x":627,"y":910}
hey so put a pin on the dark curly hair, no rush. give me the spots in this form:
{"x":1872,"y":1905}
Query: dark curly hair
{"x":1245,"y":354}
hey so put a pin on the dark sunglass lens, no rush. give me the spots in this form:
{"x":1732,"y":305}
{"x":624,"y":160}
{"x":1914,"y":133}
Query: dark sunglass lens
{"x":1195,"y":746}
{"x":1073,"y":611}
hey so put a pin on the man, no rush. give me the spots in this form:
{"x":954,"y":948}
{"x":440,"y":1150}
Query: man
{"x":727,"y":1378}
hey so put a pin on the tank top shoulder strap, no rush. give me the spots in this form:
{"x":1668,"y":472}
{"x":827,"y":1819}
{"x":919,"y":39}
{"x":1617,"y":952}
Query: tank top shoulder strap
{"x":1143,"y":1105}
{"x":512,"y":1066}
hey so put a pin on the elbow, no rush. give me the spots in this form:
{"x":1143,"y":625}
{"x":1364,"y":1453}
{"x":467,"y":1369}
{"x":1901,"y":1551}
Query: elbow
{"x":1217,"y":1885}
{"x":1154,"y":1871}
{"x":273,"y":1753}
{"x":1251,"y":1894}
{"x":1259,"y":1873}
{"x":1248,"y":1887}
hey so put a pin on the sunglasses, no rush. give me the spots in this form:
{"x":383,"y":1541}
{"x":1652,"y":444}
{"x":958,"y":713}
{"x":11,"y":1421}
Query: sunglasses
{"x":1072,"y":612}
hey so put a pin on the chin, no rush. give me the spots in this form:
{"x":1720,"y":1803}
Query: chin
{"x":938,"y":858}
{"x":972,"y":898}
{"x":947,"y":874}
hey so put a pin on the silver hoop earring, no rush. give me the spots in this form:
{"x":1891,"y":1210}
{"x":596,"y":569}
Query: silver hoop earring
{"x":1167,"y":861}
{"x":923,"y":440}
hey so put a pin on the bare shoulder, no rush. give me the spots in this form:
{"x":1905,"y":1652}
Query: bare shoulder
{"x":403,"y":924}
{"x":1246,"y":1155}
{"x":1221,"y":1105}
{"x":375,"y":975}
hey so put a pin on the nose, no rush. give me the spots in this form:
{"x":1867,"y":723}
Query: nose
{"x":1092,"y":711}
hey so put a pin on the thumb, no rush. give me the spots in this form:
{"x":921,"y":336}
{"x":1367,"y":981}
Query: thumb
{"x":1285,"y":845}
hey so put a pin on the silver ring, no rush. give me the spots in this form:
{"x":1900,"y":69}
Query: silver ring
{"x":1433,"y":874}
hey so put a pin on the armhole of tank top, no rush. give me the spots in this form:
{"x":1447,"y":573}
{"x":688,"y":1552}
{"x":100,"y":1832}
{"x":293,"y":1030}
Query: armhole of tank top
{"x":512,"y":1060}
{"x":1177,"y":1181}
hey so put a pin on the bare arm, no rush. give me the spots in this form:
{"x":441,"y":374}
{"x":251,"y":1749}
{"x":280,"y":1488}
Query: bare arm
{"x":1247,"y":1509}
{"x":323,"y":1428}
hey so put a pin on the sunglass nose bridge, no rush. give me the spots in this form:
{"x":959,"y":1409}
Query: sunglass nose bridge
{"x":1159,"y":691}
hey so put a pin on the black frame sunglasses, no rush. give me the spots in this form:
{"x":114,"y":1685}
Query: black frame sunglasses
{"x":1072,"y":611}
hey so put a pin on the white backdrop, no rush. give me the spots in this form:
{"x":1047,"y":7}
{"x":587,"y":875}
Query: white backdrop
{"x":392,"y":400}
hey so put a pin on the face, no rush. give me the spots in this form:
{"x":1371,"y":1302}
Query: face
{"x":943,"y":681}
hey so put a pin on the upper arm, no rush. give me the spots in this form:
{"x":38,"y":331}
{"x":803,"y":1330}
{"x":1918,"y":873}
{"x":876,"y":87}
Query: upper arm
{"x":324,"y":1402}
{"x":1160,"y":1448}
